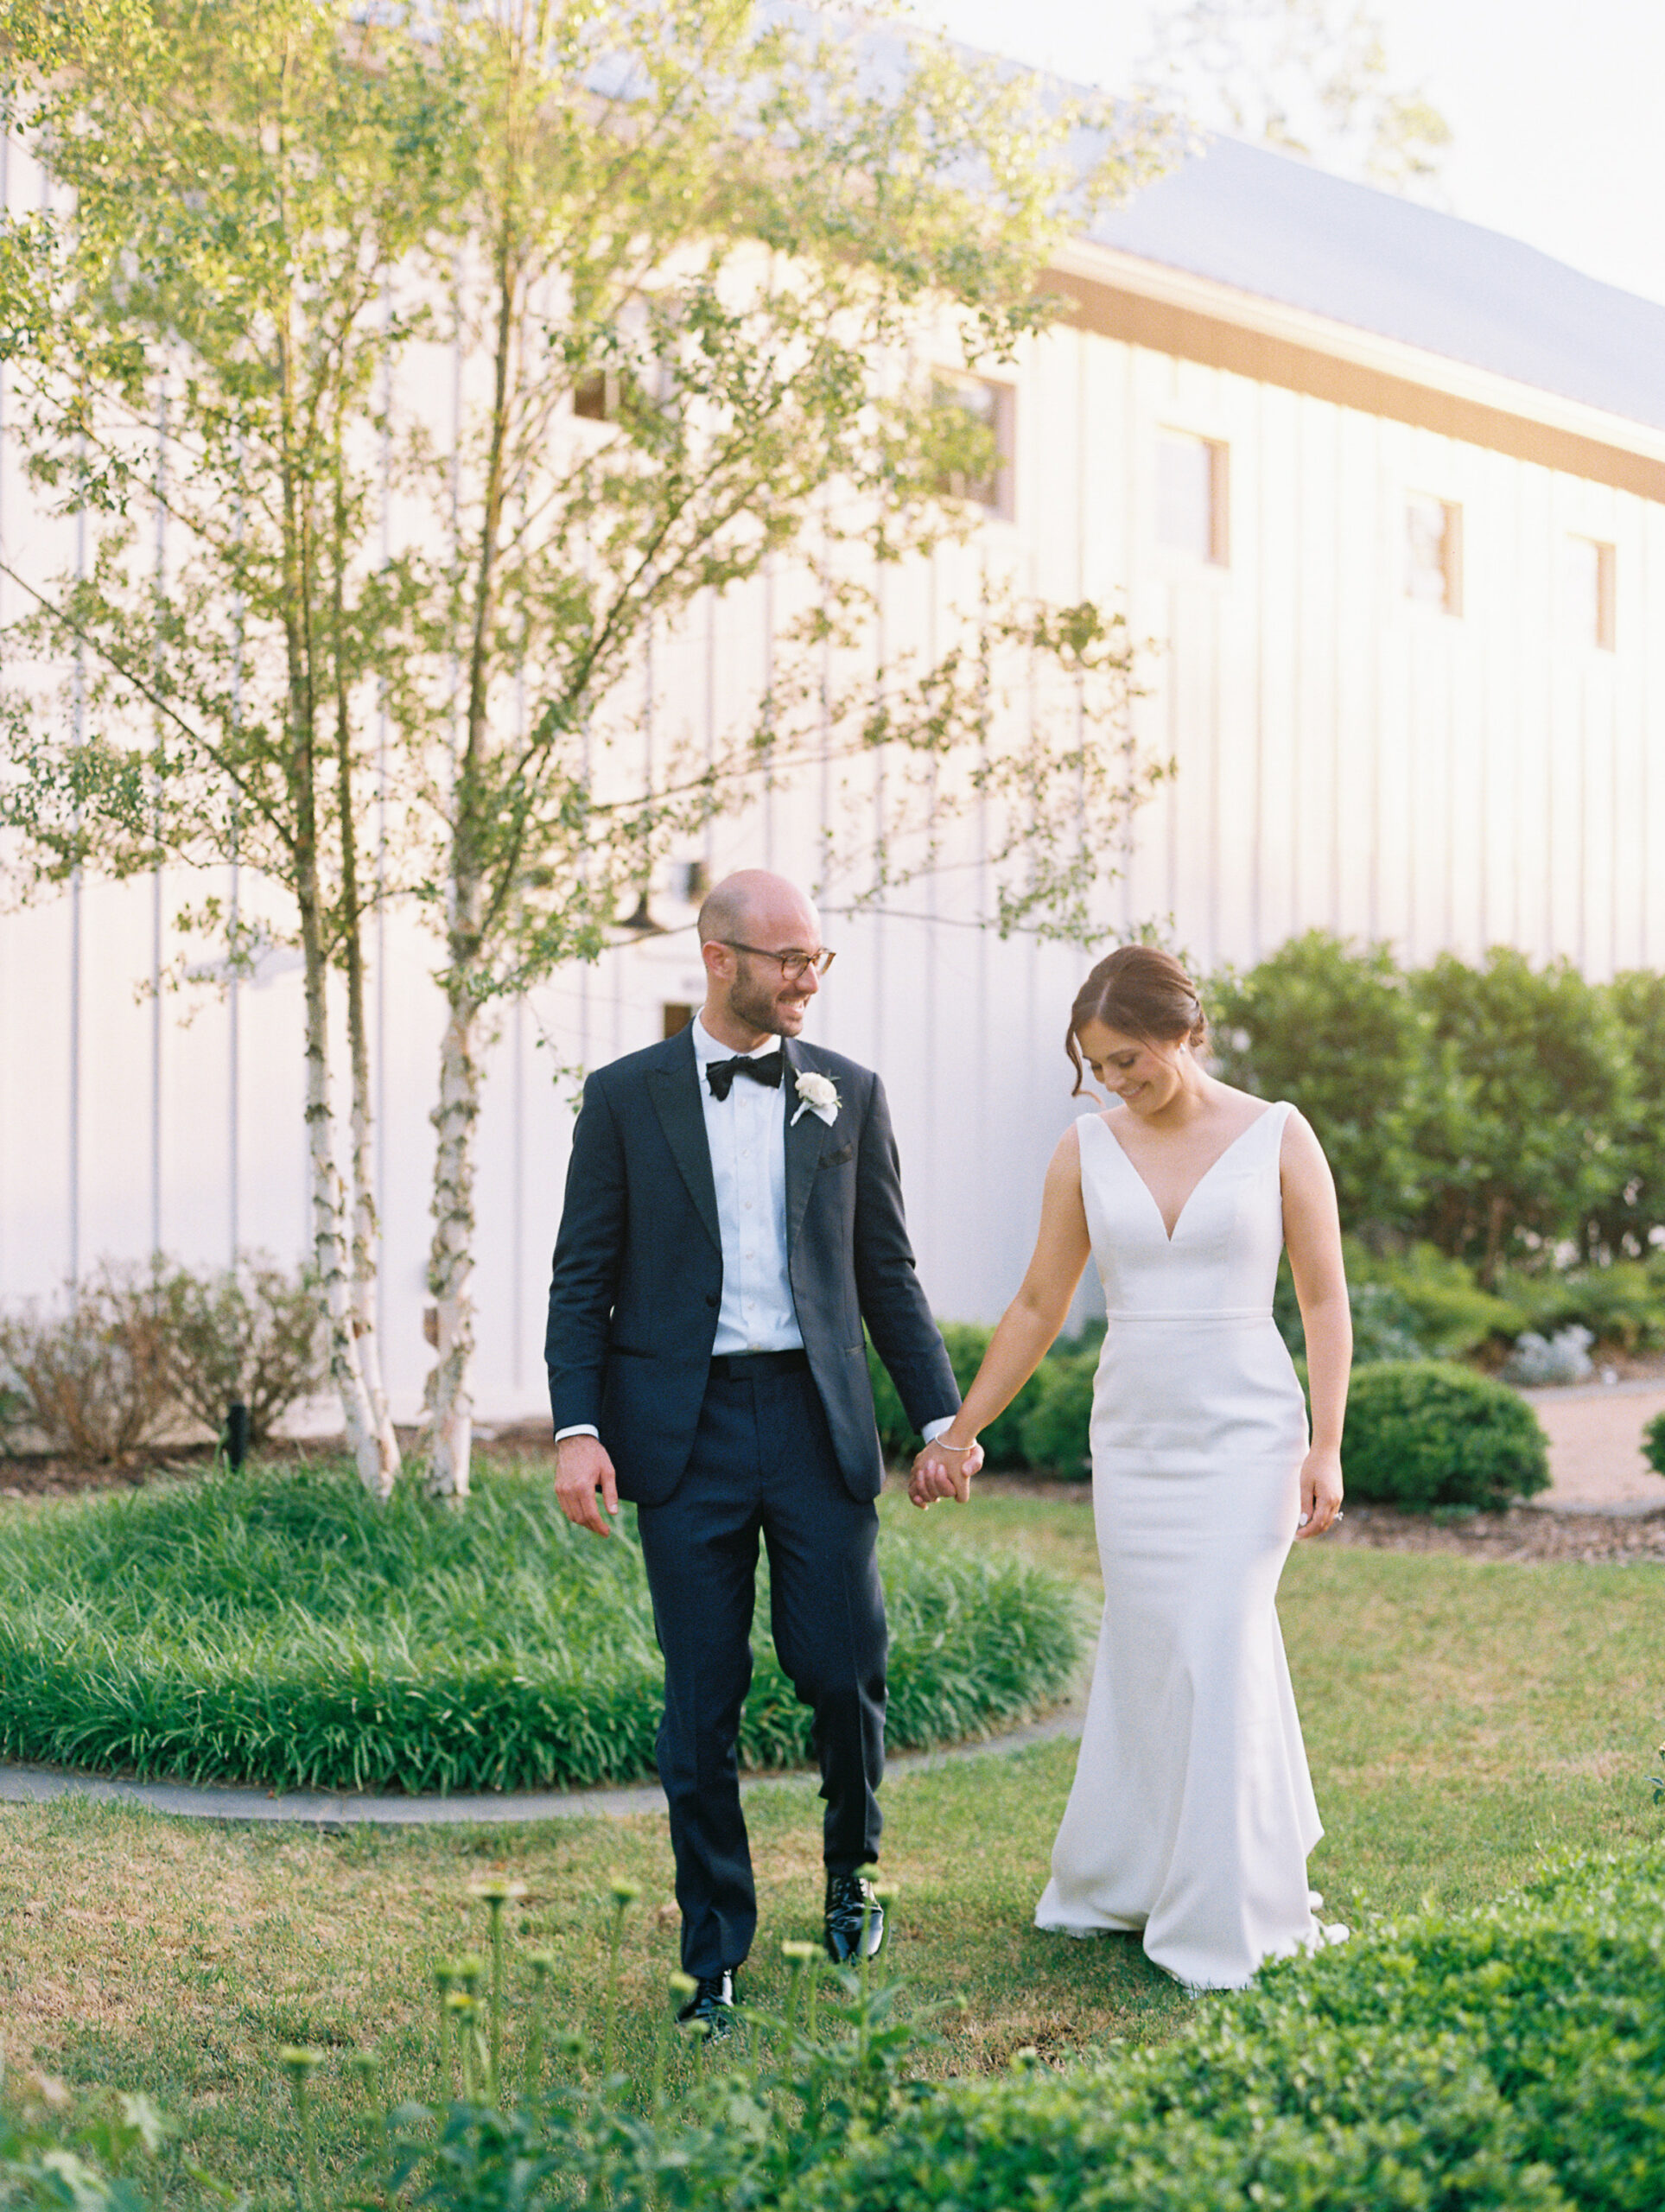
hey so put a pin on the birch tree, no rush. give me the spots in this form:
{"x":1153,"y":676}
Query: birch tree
{"x":238,"y":184}
{"x":732,"y":242}
{"x":736,"y":244}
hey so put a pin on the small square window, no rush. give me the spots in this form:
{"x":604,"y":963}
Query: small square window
{"x":1587,"y":591}
{"x":1190,"y":496}
{"x":676,"y":1017}
{"x":1433,"y":552}
{"x":595,"y":396}
{"x":992,"y":408}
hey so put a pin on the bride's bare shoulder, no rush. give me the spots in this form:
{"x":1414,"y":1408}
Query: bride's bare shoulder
{"x":1064,"y":1166}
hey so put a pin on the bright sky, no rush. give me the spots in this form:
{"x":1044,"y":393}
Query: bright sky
{"x":1555,"y":105}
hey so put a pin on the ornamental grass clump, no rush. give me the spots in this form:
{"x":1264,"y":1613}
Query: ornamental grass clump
{"x":278,"y":1627}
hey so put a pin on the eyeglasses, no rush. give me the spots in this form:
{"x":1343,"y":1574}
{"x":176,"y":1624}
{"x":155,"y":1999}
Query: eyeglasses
{"x":792,"y":964}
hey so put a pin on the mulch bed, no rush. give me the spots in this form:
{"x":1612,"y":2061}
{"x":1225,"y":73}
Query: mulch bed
{"x":1523,"y":1532}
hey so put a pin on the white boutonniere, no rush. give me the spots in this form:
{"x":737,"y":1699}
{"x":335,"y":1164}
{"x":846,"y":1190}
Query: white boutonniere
{"x":817,"y":1094}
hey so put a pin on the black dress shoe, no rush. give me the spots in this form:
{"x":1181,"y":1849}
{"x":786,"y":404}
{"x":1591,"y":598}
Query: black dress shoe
{"x":856,"y":1919}
{"x":711,"y":2007}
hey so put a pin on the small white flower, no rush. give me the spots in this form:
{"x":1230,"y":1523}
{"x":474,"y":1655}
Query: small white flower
{"x":818,"y":1095}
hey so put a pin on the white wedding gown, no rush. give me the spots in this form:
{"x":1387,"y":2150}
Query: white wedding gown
{"x":1192,"y":1813}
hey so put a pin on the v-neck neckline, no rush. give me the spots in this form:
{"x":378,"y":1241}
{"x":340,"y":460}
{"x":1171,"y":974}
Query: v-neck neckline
{"x":1170,"y":1234}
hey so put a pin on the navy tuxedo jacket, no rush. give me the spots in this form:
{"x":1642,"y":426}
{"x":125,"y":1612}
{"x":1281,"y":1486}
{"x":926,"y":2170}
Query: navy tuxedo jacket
{"x":637,"y":1274}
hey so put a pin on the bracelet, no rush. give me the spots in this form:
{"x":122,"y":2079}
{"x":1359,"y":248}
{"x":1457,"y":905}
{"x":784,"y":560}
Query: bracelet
{"x":941,"y":1443}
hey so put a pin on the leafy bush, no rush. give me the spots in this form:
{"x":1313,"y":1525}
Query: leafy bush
{"x":1420,"y":1302}
{"x":1504,"y":2060}
{"x":282,"y":1628}
{"x":1544,"y":1081}
{"x":1423,"y":1433}
{"x":1448,"y":1313}
{"x":1653,"y":1444}
{"x":137,"y":1348}
{"x":1623,"y":1220}
{"x":1564,"y":1358}
{"x":1335,"y":1027}
{"x":1386,"y":1325}
{"x":1055,"y":1426}
{"x":53,"y":2153}
{"x":1498,"y":1110}
{"x":254,"y":1335}
{"x":96,"y":1382}
{"x":1622,"y":1304}
{"x":1002,"y":1441}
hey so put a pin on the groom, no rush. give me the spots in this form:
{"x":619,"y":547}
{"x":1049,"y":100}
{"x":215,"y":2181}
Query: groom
{"x":732,"y":1216}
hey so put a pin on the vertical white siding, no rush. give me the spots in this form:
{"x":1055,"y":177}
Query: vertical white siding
{"x":1345,"y":760}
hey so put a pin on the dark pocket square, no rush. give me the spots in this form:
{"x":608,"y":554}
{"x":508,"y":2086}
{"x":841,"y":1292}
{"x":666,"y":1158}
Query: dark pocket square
{"x":837,"y":1159}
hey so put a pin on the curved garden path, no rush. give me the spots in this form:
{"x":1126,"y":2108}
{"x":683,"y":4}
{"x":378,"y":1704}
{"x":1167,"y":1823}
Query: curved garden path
{"x":36,"y":1785}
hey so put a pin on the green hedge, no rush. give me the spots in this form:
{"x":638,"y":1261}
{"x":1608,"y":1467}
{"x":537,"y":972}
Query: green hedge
{"x":1046,"y":1425}
{"x":1416,"y":1302}
{"x":1511,"y":2059}
{"x":279,"y":1628}
{"x":1497,"y":1109}
{"x":1422,"y":1434}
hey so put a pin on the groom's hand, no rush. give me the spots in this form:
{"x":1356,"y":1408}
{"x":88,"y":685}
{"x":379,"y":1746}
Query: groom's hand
{"x":939,"y":1474}
{"x":582,"y":1467}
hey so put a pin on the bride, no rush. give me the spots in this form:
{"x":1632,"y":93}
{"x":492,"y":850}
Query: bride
{"x":1192,"y":1813}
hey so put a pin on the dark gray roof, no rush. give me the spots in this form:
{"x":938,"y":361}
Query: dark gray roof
{"x":1274,"y":226}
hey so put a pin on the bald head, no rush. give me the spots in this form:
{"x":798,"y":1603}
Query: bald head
{"x":760,"y":908}
{"x":745,"y":921}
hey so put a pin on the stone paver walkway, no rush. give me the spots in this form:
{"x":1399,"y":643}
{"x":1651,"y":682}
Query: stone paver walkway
{"x":1595,"y":1447}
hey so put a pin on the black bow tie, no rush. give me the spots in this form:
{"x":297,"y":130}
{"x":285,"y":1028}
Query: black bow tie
{"x":720,"y":1074}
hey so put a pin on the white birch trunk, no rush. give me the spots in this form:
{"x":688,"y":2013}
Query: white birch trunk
{"x":451,"y":1264}
{"x":365,"y":1332}
{"x":376,"y":1471}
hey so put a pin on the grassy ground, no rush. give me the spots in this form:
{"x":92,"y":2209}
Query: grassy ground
{"x":1461,"y":1717}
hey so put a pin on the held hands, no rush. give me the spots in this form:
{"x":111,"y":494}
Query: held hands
{"x":940,"y":1472}
{"x":582,"y":1467}
{"x":1320,"y":1492}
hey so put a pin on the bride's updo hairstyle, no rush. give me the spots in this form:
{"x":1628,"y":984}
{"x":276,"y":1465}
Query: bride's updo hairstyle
{"x":1143,"y":993}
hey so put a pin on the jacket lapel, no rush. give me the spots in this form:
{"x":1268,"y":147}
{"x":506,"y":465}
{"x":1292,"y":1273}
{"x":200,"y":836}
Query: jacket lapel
{"x":804,"y":1141}
{"x":674,"y":1090}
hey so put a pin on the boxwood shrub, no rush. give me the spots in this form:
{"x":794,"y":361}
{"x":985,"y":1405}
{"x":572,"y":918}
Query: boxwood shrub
{"x":1421,"y":1433}
{"x":1055,"y":1424}
{"x":1045,"y":1426}
{"x":1508,"y":2059}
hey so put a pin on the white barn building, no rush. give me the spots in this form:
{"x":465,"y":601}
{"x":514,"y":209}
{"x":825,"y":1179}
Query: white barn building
{"x":1391,"y":491}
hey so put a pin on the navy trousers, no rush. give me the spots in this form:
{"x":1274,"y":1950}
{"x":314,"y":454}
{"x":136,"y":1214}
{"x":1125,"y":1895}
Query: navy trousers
{"x":762,"y":1465}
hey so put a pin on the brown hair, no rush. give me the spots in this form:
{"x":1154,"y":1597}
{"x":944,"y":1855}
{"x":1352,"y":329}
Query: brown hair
{"x":1144,"y":994}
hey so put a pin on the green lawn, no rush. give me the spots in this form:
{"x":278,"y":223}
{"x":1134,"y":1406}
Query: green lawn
{"x":1462,"y":1718}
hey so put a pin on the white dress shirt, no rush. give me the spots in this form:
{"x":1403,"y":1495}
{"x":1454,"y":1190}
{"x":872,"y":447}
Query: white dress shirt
{"x":747,"y":1136}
